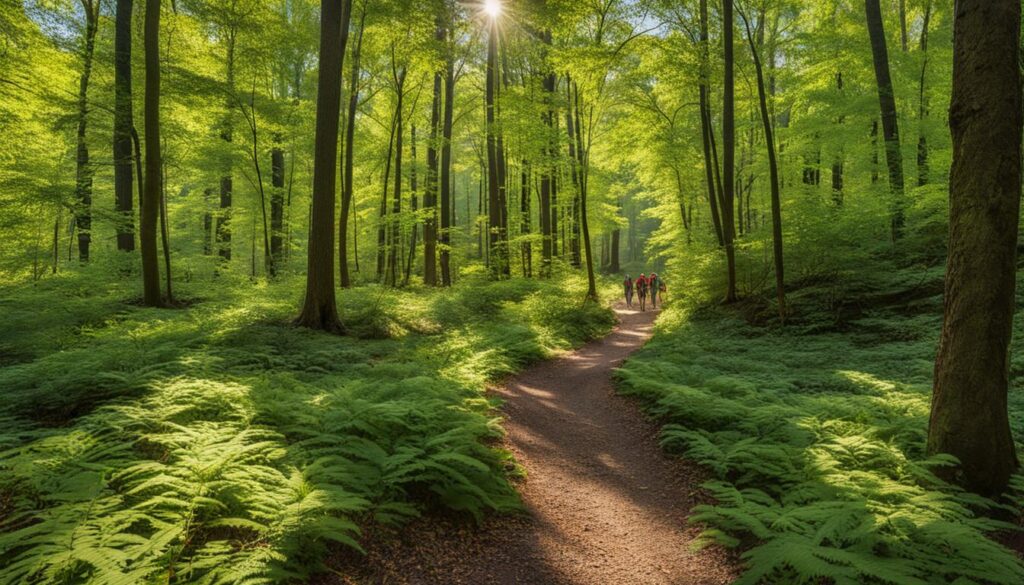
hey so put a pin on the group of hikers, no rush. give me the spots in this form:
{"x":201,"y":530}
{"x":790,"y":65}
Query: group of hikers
{"x":651,"y":285}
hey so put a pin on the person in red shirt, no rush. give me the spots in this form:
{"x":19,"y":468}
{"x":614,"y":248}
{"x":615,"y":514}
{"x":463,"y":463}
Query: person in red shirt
{"x":628,"y":286}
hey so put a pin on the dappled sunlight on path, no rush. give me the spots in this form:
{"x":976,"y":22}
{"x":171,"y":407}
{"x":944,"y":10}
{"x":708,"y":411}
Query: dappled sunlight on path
{"x":604,"y":505}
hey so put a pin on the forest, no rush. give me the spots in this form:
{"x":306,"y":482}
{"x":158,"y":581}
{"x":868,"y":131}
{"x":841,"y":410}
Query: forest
{"x":341,"y":292}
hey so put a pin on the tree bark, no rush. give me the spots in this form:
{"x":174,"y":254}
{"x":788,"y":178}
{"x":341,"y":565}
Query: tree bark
{"x":83,"y":172}
{"x":150,"y":208}
{"x":223,"y":223}
{"x":447,"y":205}
{"x":348,"y":166}
{"x":123,"y":188}
{"x":969,"y":402}
{"x":729,"y":151}
{"x":922,"y":112}
{"x":493,"y":178}
{"x":276,"y":209}
{"x":887,"y":101}
{"x":431,"y":188}
{"x":319,"y":310}
{"x":574,"y":168}
{"x":773,"y":173}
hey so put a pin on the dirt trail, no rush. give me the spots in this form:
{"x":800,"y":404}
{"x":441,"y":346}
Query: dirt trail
{"x":604,"y":505}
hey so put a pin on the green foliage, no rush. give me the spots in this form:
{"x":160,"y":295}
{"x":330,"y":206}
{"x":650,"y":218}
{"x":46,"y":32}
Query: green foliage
{"x":815,"y":440}
{"x":218,"y":444}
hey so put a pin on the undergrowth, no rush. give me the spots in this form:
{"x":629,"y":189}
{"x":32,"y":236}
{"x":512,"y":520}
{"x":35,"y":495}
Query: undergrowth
{"x":814,"y":435}
{"x":220,"y":444}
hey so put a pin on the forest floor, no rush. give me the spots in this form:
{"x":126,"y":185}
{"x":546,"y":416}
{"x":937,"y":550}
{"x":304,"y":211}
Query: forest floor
{"x":603,"y":503}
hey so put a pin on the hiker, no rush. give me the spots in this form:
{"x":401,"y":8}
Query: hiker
{"x":628,"y":285}
{"x":641,"y":291}
{"x":653,"y":283}
{"x":661,"y":290}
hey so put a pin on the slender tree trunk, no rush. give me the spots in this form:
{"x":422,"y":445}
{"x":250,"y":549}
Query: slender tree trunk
{"x":165,"y":234}
{"x":574,"y":168}
{"x":319,"y":310}
{"x":887,"y":101}
{"x":391,"y":276}
{"x":729,"y":154}
{"x":584,"y":171}
{"x":348,"y":165}
{"x":414,"y":201}
{"x":431,"y":189}
{"x":773,"y":173}
{"x":447,"y":203}
{"x":547,"y":174}
{"x":83,"y":172}
{"x":837,"y":162}
{"x":150,"y":208}
{"x":922,"y":112}
{"x":123,"y":188}
{"x":969,"y":402}
{"x":223,"y":228}
{"x":493,"y":177}
{"x":382,"y":233}
{"x":524,"y":219}
{"x":276,"y":208}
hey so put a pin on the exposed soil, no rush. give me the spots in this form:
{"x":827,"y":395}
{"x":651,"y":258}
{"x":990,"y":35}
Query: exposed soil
{"x":604,"y":505}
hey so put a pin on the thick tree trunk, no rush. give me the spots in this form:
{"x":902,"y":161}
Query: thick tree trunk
{"x":969,"y":402}
{"x":319,"y":310}
{"x":150,"y":208}
{"x":83,"y":172}
{"x":123,"y":188}
{"x":729,"y":154}
{"x":348,"y":165}
{"x":887,"y":101}
{"x":773,"y":174}
{"x":447,"y":204}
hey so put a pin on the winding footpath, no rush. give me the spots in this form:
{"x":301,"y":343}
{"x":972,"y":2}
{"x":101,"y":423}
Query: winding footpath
{"x":604,"y":505}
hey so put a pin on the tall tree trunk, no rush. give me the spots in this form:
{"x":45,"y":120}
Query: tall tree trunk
{"x":547,"y":174}
{"x":431,"y":189}
{"x":773,"y":172}
{"x":83,"y":172}
{"x":525,"y":223}
{"x":584,"y":157}
{"x":223,"y":228}
{"x":391,"y":275}
{"x":447,"y":203}
{"x":414,"y":206}
{"x":276,"y":207}
{"x":729,"y":154}
{"x":319,"y":310}
{"x":123,"y":188}
{"x":969,"y":400}
{"x":382,"y":231}
{"x":348,"y":165}
{"x":837,"y":162}
{"x":493,"y":177}
{"x":887,"y":101}
{"x":574,"y":168}
{"x":922,"y":112}
{"x":150,"y":208}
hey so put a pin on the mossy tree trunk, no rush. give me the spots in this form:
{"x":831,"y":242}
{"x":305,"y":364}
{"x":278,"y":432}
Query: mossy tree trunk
{"x":123,"y":156}
{"x":969,"y":403}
